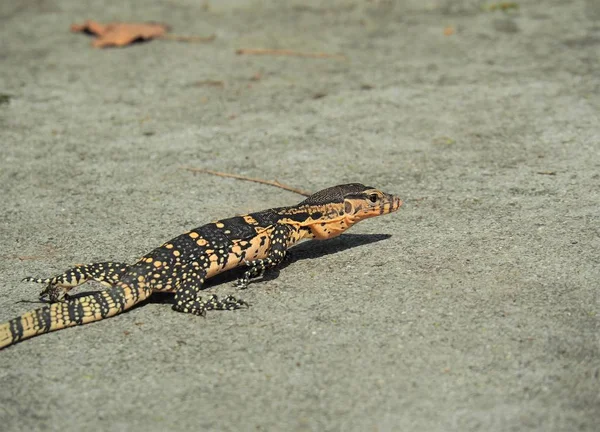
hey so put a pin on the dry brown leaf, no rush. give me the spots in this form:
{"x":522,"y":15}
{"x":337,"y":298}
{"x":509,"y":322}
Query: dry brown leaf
{"x":119,"y":33}
{"x":449,"y":31}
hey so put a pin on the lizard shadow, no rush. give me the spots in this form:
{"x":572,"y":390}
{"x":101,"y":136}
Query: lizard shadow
{"x":302,"y":251}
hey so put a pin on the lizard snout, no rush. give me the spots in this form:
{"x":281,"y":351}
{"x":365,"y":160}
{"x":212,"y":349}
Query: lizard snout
{"x":396,"y":203}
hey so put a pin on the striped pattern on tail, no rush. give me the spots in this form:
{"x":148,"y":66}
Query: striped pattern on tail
{"x":77,"y":311}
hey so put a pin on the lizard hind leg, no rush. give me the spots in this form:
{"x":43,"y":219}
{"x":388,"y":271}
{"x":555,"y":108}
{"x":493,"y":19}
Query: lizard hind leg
{"x":199,"y":306}
{"x":188,"y":299}
{"x":57,"y":287}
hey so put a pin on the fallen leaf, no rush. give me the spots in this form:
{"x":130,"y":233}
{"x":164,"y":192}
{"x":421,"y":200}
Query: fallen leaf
{"x":119,"y":34}
{"x":503,"y":6}
{"x":449,"y":31}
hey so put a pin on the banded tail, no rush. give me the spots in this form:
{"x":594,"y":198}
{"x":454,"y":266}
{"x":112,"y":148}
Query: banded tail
{"x":77,"y":311}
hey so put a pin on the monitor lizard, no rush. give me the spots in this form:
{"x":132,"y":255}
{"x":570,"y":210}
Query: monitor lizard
{"x":256,"y":240}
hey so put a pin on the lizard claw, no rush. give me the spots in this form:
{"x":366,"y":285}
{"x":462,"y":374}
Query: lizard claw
{"x":54,"y":294}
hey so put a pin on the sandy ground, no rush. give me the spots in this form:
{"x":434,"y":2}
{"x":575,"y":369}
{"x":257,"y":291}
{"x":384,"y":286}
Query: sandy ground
{"x":475,"y":308}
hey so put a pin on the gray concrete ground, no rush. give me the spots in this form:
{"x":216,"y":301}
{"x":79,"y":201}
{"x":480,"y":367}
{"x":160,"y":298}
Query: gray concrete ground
{"x":473,"y":308}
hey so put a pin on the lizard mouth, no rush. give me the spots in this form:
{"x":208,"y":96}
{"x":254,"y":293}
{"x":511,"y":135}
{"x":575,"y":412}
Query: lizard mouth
{"x":396,"y":203}
{"x":392,"y":204}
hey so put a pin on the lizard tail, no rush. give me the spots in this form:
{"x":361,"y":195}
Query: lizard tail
{"x":76,"y":311}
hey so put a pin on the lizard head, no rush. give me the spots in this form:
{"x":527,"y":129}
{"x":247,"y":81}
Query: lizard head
{"x":368,"y":203}
{"x":337,"y":208}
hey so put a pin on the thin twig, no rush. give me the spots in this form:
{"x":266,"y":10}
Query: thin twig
{"x":251,"y":179}
{"x":209,"y":83}
{"x":286,"y":52}
{"x":49,"y":252}
{"x":179,"y":38}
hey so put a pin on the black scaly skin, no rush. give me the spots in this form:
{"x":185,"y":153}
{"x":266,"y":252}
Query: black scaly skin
{"x":258,"y":240}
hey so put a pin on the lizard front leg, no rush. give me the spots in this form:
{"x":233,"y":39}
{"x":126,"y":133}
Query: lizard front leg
{"x":276,"y":254}
{"x":57,"y":287}
{"x":188,"y":299}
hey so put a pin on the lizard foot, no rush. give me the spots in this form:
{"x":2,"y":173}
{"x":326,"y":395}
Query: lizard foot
{"x":256,"y":269}
{"x":53,"y":292}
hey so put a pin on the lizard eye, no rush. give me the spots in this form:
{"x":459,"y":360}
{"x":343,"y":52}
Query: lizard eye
{"x":373,"y":198}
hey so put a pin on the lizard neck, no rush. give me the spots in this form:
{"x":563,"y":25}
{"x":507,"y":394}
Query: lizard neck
{"x":317,"y":221}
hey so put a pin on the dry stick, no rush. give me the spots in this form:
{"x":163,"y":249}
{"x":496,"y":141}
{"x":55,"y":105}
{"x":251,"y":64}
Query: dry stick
{"x":255,"y":180}
{"x":50,"y":251}
{"x":285,"y":52}
{"x":200,"y":39}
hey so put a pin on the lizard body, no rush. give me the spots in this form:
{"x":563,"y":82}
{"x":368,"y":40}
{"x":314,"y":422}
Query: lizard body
{"x":258,"y":240}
